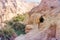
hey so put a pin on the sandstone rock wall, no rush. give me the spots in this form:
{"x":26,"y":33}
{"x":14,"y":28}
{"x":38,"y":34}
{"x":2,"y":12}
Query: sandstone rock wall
{"x":50,"y":25}
{"x":10,"y":8}
{"x":50,"y":10}
{"x":46,"y":5}
{"x":49,"y":29}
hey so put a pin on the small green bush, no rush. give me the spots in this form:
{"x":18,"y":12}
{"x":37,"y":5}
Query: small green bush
{"x":16,"y":25}
{"x":19,"y":18}
{"x":7,"y":32}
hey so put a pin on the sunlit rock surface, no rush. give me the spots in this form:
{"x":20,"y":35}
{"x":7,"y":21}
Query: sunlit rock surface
{"x":46,"y":5}
{"x":9,"y":8}
{"x":49,"y":29}
{"x":46,"y":30}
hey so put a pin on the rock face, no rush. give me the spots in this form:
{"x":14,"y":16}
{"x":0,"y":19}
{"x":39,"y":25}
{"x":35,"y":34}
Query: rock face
{"x":49,"y":28}
{"x":46,"y":5}
{"x":9,"y":8}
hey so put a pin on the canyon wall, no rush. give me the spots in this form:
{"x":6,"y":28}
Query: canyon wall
{"x":49,"y":10}
{"x":10,"y":8}
{"x":46,"y":5}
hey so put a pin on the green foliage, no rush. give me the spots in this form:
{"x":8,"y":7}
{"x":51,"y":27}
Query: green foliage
{"x":19,"y":18}
{"x":16,"y":25}
{"x":7,"y":32}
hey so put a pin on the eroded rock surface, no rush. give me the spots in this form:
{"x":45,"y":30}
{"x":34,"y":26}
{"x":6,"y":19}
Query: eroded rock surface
{"x":49,"y":29}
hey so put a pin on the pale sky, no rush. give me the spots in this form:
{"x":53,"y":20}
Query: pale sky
{"x":37,"y":1}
